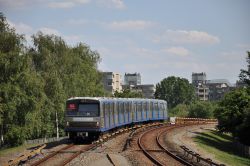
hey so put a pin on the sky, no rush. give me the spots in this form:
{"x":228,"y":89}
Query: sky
{"x":157,"y":38}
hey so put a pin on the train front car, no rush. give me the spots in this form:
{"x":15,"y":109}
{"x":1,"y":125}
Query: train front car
{"x":82,"y":118}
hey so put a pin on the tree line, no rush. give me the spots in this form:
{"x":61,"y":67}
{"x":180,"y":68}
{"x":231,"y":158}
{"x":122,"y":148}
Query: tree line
{"x":35,"y":82}
{"x":232,"y":111}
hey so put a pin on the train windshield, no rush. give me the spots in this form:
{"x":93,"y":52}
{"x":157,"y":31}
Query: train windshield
{"x":88,"y":109}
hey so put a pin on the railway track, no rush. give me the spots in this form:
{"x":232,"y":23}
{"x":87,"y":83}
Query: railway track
{"x":55,"y":159}
{"x":149,"y":142}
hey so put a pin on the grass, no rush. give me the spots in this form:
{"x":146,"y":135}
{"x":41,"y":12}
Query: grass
{"x":10,"y":150}
{"x":221,"y":145}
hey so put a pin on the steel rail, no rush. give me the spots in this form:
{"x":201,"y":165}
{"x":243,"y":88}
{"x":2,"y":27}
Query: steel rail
{"x":84,"y":149}
{"x":168,"y":152}
{"x":51,"y":155}
{"x":154,"y":160}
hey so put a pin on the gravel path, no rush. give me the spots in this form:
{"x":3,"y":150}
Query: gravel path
{"x":184,"y":136}
{"x":98,"y":157}
{"x":133,"y":156}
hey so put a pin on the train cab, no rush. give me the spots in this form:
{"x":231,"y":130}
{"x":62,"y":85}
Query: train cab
{"x":82,"y":117}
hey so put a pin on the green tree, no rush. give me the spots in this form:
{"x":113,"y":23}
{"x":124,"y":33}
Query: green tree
{"x":126,"y":93}
{"x":20,"y":87}
{"x":175,"y":91}
{"x":245,"y":74}
{"x":35,"y":82}
{"x":201,"y":109}
{"x":181,"y":110}
{"x":233,"y":113}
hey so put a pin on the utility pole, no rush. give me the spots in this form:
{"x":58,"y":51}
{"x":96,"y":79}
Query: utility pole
{"x":57,"y":130}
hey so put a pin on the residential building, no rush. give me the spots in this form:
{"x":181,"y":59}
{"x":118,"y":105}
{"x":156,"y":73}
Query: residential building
{"x":199,"y":78}
{"x":210,"y":89}
{"x":132,"y":79}
{"x":218,"y":88}
{"x":147,"y":90}
{"x":111,"y":82}
{"x":201,"y":90}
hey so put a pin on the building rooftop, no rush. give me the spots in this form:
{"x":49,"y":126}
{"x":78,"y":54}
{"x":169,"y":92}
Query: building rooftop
{"x":219,"y":81}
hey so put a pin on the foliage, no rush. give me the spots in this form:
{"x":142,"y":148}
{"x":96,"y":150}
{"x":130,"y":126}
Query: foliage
{"x":245,"y":74}
{"x":175,"y":91}
{"x":36,"y":81}
{"x":181,"y":110}
{"x":233,"y":114}
{"x":222,"y":146}
{"x":201,"y":109}
{"x":126,"y":93}
{"x":15,"y":136}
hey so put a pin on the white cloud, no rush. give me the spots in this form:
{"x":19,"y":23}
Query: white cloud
{"x":180,"y":51}
{"x":61,"y":5}
{"x":118,"y":4}
{"x":67,"y":4}
{"x":130,"y":25}
{"x":49,"y":31}
{"x":77,"y":21}
{"x":245,"y":46}
{"x":18,"y":4}
{"x":183,"y":36}
{"x":72,"y":39}
{"x":81,"y":1}
{"x":21,"y":28}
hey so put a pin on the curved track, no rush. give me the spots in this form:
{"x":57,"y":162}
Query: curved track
{"x":150,"y":144}
{"x":53,"y":158}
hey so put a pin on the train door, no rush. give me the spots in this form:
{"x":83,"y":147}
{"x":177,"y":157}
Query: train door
{"x":111,"y":114}
{"x":105,"y":113}
{"x":125,"y":112}
{"x":157,"y":110}
{"x":165,"y":110}
{"x":121,"y":112}
{"x":118,"y":112}
{"x":136,"y":111}
{"x":161,"y":110}
{"x":130,"y":113}
{"x":152,"y":110}
{"x":145,"y":110}
{"x":115,"y":113}
{"x":140,"y":111}
{"x":102,"y":119}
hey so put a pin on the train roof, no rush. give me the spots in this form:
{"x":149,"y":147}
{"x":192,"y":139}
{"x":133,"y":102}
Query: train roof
{"x":103,"y":99}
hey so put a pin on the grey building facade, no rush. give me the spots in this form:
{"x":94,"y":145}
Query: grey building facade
{"x":111,"y":82}
{"x":147,"y":90}
{"x":218,"y":88}
{"x":201,"y":90}
{"x":132,"y":79}
{"x":212,"y":90}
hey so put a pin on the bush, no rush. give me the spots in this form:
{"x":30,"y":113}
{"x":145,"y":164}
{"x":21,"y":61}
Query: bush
{"x":15,"y":136}
{"x":233,"y":114}
{"x":201,"y":110}
{"x":181,"y":110}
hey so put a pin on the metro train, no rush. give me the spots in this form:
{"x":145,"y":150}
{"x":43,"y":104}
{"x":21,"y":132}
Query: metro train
{"x":88,"y":117}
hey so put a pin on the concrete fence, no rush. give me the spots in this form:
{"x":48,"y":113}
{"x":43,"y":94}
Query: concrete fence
{"x":44,"y":140}
{"x":243,"y":149}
